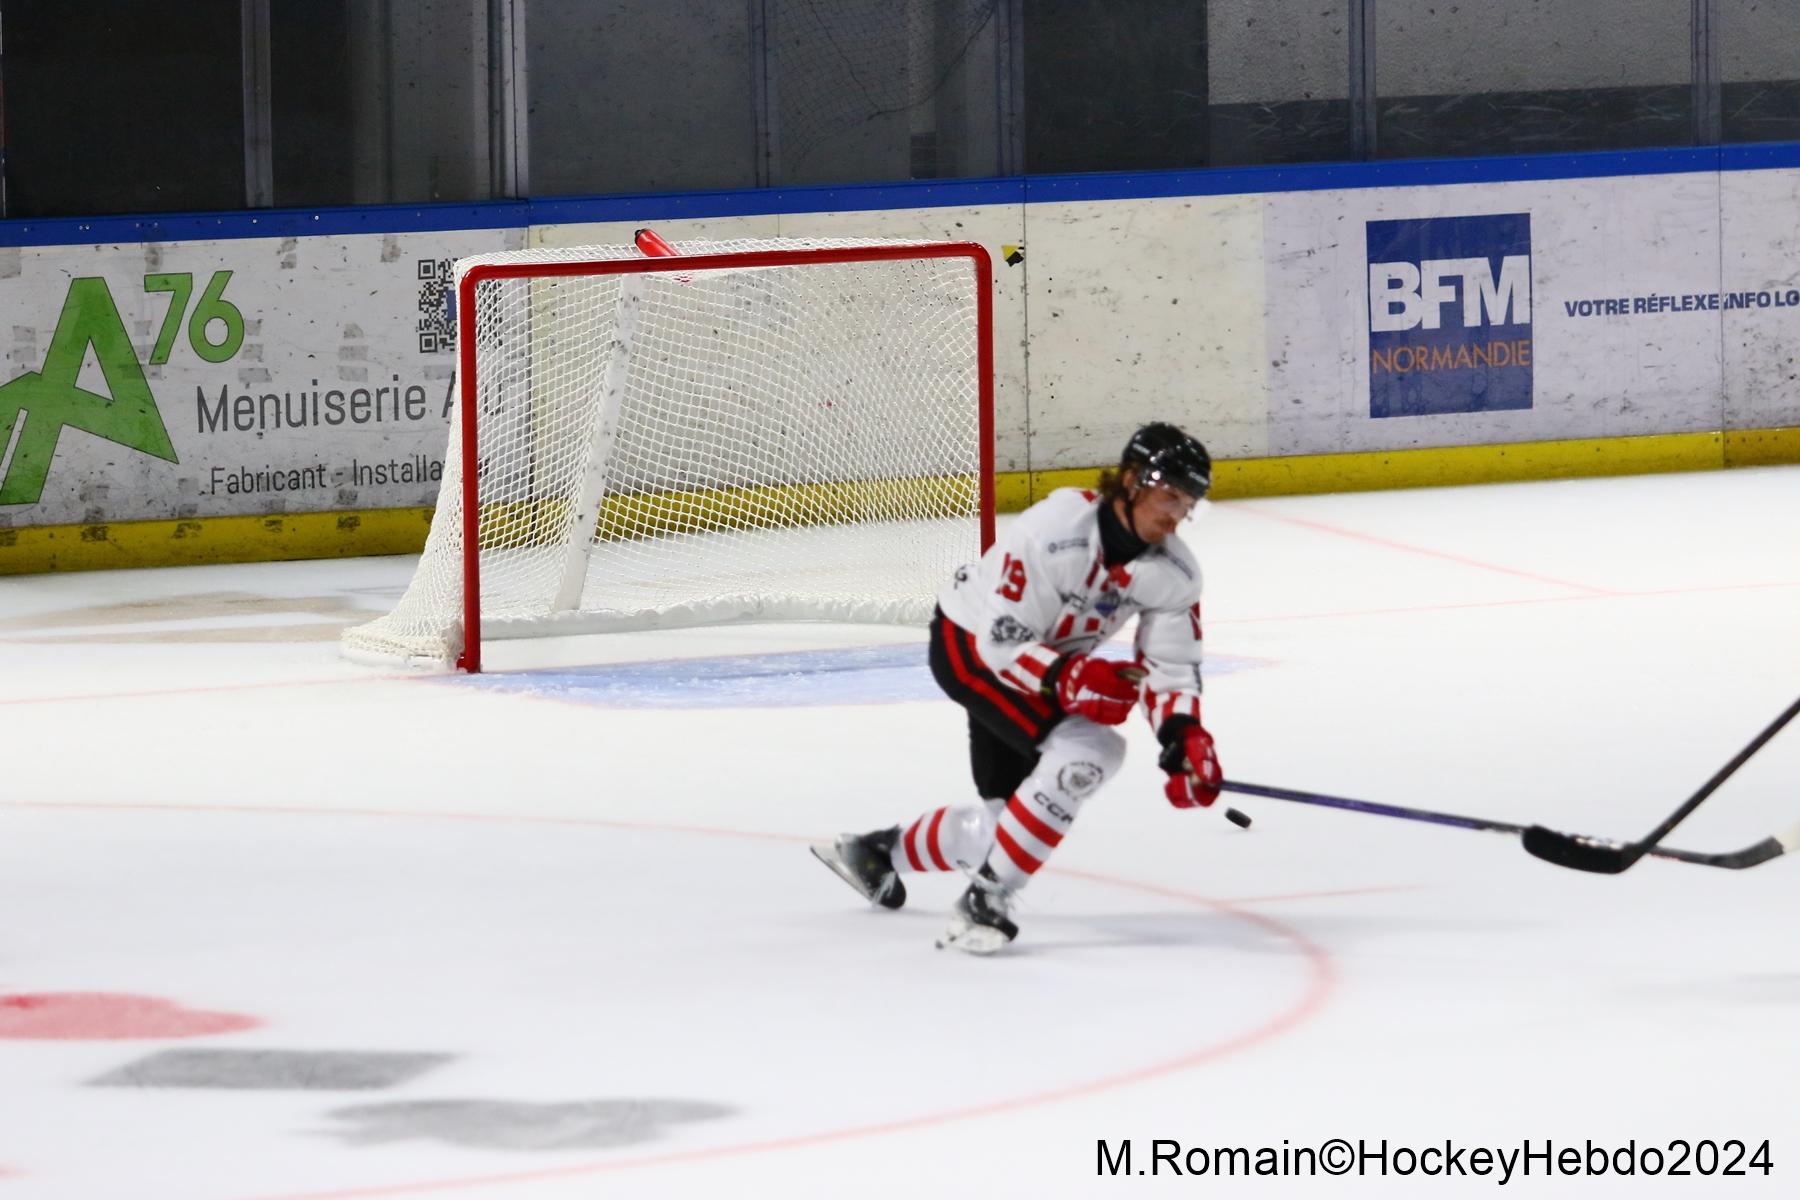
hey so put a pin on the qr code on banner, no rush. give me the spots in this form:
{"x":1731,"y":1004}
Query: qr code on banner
{"x":437,"y":319}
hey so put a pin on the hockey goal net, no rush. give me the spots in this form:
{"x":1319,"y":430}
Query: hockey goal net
{"x":712,"y":431}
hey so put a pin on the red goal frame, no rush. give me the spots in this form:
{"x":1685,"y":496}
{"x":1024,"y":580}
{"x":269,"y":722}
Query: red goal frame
{"x":470,"y":657}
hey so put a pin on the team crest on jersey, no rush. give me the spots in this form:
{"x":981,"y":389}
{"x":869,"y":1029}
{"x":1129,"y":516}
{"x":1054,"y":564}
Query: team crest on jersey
{"x":1108,"y":603}
{"x":1009,"y":632}
{"x":1080,"y":778}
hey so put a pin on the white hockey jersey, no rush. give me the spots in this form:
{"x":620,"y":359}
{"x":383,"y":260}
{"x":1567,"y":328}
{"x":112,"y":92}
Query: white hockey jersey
{"x":1042,"y":590}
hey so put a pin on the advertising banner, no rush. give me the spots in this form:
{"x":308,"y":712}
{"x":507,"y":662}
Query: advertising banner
{"x":177,"y":381}
{"x":1761,"y":312}
{"x":1479,"y":360}
{"x":245,"y":376}
{"x":1475,"y":314}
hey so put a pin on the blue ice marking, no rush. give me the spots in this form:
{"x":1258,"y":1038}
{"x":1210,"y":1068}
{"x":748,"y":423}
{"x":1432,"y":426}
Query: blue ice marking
{"x":801,"y":678}
{"x":794,"y":679}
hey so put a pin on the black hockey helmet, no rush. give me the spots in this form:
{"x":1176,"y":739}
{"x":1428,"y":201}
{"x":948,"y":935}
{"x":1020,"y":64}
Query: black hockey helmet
{"x":1162,"y":453}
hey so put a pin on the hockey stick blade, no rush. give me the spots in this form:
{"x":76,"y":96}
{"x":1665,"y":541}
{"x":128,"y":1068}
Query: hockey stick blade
{"x":1762,"y":852}
{"x":1730,"y":860}
{"x":1603,"y":857}
{"x":1578,"y":853}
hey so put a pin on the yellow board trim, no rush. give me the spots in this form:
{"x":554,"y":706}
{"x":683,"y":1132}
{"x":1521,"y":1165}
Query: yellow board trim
{"x":265,"y":538}
{"x":1449,"y":466}
{"x":27,"y":550}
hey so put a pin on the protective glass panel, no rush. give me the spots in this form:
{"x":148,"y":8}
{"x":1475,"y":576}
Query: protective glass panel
{"x":1524,"y":77}
{"x":122,"y":108}
{"x":882,"y":89}
{"x":639,"y":96}
{"x":1759,"y":64}
{"x":379,"y":101}
{"x":1115,"y":87}
{"x":1278,"y":79}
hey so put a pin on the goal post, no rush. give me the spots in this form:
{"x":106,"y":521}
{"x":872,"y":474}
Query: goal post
{"x":711,"y":431}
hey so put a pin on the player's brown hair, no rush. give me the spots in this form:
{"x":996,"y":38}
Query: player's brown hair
{"x":1112,"y":484}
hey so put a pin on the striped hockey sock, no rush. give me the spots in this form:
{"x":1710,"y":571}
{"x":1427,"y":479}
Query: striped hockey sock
{"x":946,"y":839}
{"x":1028,"y":830}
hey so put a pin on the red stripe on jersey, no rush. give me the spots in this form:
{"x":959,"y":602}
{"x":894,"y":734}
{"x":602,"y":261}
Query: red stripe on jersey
{"x":977,"y":684}
{"x":1033,"y":825}
{"x":1095,"y":571}
{"x":1090,"y":495}
{"x":912,"y":851}
{"x":1161,"y":707}
{"x":1016,"y":852}
{"x":1062,"y":629}
{"x":1028,"y":695}
{"x":931,"y":841}
{"x":1029,"y":668}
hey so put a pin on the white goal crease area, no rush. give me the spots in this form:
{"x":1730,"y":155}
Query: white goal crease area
{"x":713,"y":431}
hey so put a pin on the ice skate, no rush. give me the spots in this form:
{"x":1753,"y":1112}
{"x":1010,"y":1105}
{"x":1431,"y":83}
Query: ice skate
{"x":983,"y":921}
{"x":865,"y":862}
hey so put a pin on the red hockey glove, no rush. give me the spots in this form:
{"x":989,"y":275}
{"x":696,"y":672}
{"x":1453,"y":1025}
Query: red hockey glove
{"x":1192,"y":763}
{"x":1099,"y":689}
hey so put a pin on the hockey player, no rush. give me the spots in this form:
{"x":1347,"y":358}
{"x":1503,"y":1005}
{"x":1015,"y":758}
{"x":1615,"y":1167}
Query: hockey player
{"x":1014,"y":642}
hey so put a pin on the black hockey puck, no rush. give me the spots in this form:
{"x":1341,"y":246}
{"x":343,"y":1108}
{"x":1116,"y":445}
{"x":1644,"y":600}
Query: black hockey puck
{"x":1237,"y":818}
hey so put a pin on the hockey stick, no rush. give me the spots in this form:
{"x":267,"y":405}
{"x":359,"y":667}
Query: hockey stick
{"x":1732,"y":860}
{"x":1609,"y":858}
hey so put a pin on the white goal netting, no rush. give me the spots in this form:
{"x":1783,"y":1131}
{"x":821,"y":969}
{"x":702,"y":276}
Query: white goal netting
{"x":690,"y":446}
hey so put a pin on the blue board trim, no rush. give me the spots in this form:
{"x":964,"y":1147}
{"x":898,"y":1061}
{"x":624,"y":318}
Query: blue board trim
{"x":961,"y":193}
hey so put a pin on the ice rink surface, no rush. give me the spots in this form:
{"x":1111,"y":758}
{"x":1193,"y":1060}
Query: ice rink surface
{"x":278,"y":925}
